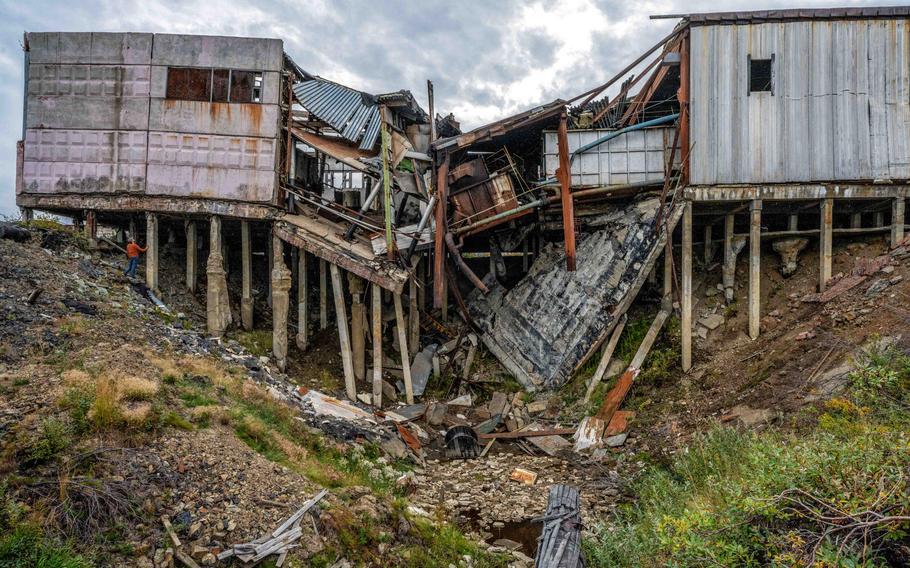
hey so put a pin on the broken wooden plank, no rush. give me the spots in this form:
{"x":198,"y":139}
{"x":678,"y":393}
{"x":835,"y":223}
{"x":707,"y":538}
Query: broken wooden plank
{"x":619,"y":423}
{"x":185,"y":559}
{"x":300,"y":512}
{"x":170,"y":531}
{"x":527,"y":434}
{"x":844,"y":284}
{"x":605,"y":359}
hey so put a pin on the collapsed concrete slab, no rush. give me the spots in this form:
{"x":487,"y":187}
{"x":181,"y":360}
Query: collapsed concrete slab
{"x":552,"y":320}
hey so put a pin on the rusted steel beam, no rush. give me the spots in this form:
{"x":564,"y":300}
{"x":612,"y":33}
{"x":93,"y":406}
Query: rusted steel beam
{"x":439,"y":251}
{"x":647,"y":91}
{"x":465,"y":269}
{"x":565,"y":180}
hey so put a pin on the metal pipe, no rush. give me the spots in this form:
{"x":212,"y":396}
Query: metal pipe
{"x":377,"y":187}
{"x":465,"y":269}
{"x":420,"y":227}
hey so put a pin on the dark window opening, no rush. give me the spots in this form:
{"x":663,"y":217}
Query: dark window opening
{"x":761,"y":75}
{"x":214,"y":85}
{"x":220,"y":82}
{"x":246,"y":87}
{"x":189,"y":84}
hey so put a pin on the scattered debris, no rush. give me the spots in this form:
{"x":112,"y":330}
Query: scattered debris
{"x":523,"y":476}
{"x":560,"y":540}
{"x":461,"y":443}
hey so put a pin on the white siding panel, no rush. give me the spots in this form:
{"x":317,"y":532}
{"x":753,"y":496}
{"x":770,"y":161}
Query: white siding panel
{"x":839,"y":109}
{"x":211,"y":151}
{"x":89,"y":80}
{"x":211,"y":183}
{"x":70,"y":177}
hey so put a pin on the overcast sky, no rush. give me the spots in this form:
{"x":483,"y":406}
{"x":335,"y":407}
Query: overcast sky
{"x":487,"y":59}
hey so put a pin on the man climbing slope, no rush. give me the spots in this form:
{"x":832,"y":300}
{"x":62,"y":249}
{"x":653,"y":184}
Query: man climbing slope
{"x":132,"y":256}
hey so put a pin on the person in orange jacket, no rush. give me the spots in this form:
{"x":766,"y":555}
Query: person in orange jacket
{"x":132,"y":256}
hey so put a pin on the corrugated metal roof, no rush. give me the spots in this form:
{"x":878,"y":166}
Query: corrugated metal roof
{"x":757,"y":16}
{"x":351,"y":113}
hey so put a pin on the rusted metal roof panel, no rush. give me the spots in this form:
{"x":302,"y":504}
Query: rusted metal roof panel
{"x":839,"y":109}
{"x":758,"y":16}
{"x":503,"y":126}
{"x":353,"y":114}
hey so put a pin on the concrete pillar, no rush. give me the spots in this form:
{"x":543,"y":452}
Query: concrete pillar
{"x":754,"y":267}
{"x":686,"y":287}
{"x":344,"y":340}
{"x":323,"y":296}
{"x":825,"y":241}
{"x":732,"y":247}
{"x":271,"y":259}
{"x":281,"y":288}
{"x":709,"y":245}
{"x":856,"y":220}
{"x":358,"y":340}
{"x":878,"y":219}
{"x":151,"y":255}
{"x":897,"y":221}
{"x":246,"y":261}
{"x":376,"y":304}
{"x":303,"y":323}
{"x":27,"y":213}
{"x":218,"y":307}
{"x":793,"y":225}
{"x":191,"y":257}
{"x":134,"y":231}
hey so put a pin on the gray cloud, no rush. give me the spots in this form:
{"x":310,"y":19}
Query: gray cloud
{"x":486,"y":59}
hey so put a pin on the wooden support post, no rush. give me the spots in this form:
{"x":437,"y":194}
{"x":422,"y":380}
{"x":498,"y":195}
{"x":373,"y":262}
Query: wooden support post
{"x":343,"y":338}
{"x":686,"y":288}
{"x":151,"y":255}
{"x":564,"y":175}
{"x":755,"y":268}
{"x":825,"y":242}
{"x":422,"y":278}
{"x":403,"y":348}
{"x":709,"y":246}
{"x":303,"y":313}
{"x":192,"y":262}
{"x":605,"y":358}
{"x":246,"y":296}
{"x":897,"y":221}
{"x":323,"y":296}
{"x":377,"y":344}
{"x":668,"y":266}
{"x":793,"y":224}
{"x":413,"y":314}
{"x":439,"y":247}
{"x":358,"y":340}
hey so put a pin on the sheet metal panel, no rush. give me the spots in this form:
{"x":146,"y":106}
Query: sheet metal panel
{"x":346,"y":110}
{"x":840,"y":109}
{"x":631,"y":157}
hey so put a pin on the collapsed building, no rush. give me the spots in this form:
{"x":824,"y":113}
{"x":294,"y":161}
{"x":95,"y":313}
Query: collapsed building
{"x":787,"y":127}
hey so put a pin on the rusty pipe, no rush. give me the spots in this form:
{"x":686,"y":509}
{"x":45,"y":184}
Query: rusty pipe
{"x":465,"y":269}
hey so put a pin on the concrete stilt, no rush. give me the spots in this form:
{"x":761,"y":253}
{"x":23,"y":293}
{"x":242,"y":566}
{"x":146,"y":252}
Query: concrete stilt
{"x":709,"y":245}
{"x":271,"y":257}
{"x":192,"y":265}
{"x":825,"y":241}
{"x":686,"y":288}
{"x":323,"y":296}
{"x":218,"y":308}
{"x":350,"y":386}
{"x":246,"y":261}
{"x":27,"y":214}
{"x":732,"y":247}
{"x":878,"y":219}
{"x":91,"y":228}
{"x":754,"y":267}
{"x":401,"y":324}
{"x":134,"y":230}
{"x":303,"y":319}
{"x":376,"y":304}
{"x":793,"y":224}
{"x":151,"y":255}
{"x":413,"y":315}
{"x":358,"y":341}
{"x":897,"y":221}
{"x":281,"y":288}
{"x":856,"y":220}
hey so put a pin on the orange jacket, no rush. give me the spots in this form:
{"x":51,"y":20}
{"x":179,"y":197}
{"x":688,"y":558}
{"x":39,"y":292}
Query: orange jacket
{"x":133,"y":250}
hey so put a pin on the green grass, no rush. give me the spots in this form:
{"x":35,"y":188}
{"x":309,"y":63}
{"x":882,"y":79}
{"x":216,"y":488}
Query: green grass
{"x":54,"y":436}
{"x":718,"y":502}
{"x":258,"y":342}
{"x":26,"y":547}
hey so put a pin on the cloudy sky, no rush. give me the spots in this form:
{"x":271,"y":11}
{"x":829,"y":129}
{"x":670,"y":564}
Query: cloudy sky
{"x":487,"y":59}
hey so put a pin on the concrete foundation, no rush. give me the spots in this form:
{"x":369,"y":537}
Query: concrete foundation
{"x":789,"y":250}
{"x":281,"y":287}
{"x":218,"y":308}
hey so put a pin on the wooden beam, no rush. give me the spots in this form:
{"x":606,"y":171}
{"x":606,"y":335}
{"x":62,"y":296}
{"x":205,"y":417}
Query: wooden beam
{"x":526,"y":434}
{"x":565,"y":180}
{"x":605,"y":358}
{"x":825,"y":242}
{"x":343,"y":337}
{"x":376,"y":305}
{"x":403,"y":348}
{"x":686,"y":288}
{"x":323,"y":296}
{"x":413,"y":312}
{"x":439,"y":246}
{"x":755,"y":268}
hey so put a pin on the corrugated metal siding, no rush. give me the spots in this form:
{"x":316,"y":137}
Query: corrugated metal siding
{"x":628,"y":158}
{"x":343,"y":108}
{"x":840,"y":108}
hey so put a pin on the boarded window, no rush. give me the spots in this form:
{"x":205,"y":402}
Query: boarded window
{"x":220,"y":82}
{"x":761,"y":75}
{"x":246,"y":87}
{"x":189,"y":84}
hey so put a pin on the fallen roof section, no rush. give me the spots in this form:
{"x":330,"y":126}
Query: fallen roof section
{"x":545,"y":327}
{"x":325,"y":239}
{"x":793,"y":14}
{"x":504,"y":126}
{"x":353,"y":114}
{"x":336,"y":148}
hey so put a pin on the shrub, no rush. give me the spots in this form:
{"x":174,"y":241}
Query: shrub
{"x":26,"y":547}
{"x":137,"y":389}
{"x":53,"y":438}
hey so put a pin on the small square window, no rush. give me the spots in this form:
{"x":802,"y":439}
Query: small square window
{"x":761,"y":75}
{"x":246,"y":87}
{"x":189,"y":84}
{"x":220,"y":78}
